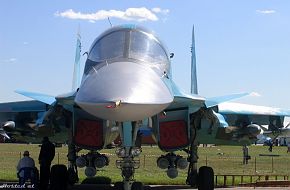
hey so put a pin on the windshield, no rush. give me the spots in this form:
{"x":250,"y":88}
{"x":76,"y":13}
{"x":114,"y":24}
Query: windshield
{"x":145,"y":47}
{"x":128,"y":44}
{"x":109,"y":47}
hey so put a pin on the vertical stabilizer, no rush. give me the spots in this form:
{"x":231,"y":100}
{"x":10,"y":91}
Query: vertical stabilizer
{"x":77,"y":69}
{"x":194,"y":89}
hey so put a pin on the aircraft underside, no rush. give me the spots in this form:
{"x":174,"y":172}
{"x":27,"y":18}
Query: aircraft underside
{"x":174,"y":131}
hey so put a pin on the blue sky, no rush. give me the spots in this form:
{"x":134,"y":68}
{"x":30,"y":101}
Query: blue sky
{"x":241,"y":46}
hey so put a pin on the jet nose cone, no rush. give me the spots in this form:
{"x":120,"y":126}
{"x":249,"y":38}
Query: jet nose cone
{"x":123,"y":91}
{"x":254,"y":130}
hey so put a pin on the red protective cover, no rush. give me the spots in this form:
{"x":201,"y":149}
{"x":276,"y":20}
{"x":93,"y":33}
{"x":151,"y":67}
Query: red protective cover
{"x":89,"y":133}
{"x":173,"y":134}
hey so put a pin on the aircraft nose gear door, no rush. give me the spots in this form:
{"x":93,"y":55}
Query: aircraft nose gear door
{"x":128,"y":153}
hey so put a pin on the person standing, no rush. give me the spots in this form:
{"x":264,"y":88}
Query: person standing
{"x":46,"y":155}
{"x":288,"y":147}
{"x":245,"y":154}
{"x":270,"y":146}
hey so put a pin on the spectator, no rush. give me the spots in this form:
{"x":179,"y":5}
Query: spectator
{"x":288,"y":147}
{"x":276,"y":142}
{"x":138,"y":141}
{"x":246,"y":156}
{"x":45,"y":158}
{"x":26,"y":163}
{"x":270,"y":146}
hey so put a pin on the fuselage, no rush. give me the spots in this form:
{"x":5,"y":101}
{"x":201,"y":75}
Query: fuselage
{"x":126,"y":76}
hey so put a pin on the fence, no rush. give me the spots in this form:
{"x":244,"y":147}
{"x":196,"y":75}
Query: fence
{"x":234,"y":180}
{"x":257,"y":165}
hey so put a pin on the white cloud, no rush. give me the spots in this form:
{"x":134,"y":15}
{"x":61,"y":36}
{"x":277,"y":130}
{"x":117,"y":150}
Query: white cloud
{"x":266,"y":11}
{"x":138,"y":14}
{"x":8,"y":61}
{"x":158,"y":10}
{"x":11,"y":60}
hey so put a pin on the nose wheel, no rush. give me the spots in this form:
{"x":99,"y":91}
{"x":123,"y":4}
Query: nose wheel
{"x":119,"y":186}
{"x":126,"y":186}
{"x":137,"y":186}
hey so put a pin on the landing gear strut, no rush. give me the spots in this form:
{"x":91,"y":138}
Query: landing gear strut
{"x":127,"y":152}
{"x":128,"y":166}
{"x":204,"y":179}
{"x":72,"y":154}
{"x":192,"y":174}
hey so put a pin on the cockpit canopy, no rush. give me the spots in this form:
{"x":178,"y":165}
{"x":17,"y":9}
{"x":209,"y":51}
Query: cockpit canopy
{"x":125,"y":43}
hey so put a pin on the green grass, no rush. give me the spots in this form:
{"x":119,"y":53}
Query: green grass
{"x":223,"y":159}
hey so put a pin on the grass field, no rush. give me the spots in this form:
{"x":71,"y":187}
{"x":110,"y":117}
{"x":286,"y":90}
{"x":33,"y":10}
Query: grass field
{"x":223,"y":159}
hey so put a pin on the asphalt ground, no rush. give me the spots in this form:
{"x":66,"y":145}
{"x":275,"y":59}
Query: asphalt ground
{"x":7,"y":185}
{"x":162,"y":187}
{"x":14,"y":185}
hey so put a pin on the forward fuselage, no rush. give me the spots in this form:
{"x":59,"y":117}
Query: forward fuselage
{"x":126,"y":76}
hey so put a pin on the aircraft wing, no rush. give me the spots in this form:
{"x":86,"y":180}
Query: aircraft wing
{"x":214,"y":101}
{"x":182,"y":99}
{"x":261,"y":115}
{"x":246,"y":109}
{"x":22,"y":106}
{"x":47,"y":99}
{"x":66,"y":100}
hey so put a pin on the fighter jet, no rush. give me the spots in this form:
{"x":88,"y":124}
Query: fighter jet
{"x":127,"y":84}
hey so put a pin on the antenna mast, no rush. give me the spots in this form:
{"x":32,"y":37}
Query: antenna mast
{"x":110,"y":21}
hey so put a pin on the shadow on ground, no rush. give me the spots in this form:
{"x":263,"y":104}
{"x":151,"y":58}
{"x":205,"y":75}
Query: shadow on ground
{"x":111,"y":187}
{"x":105,"y":183}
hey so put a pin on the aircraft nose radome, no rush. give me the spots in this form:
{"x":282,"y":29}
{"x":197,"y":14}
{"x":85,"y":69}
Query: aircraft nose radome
{"x":254,"y":129}
{"x":123,"y":91}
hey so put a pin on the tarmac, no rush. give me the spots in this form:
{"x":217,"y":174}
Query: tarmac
{"x":3,"y":185}
{"x":166,"y":187}
{"x":146,"y":187}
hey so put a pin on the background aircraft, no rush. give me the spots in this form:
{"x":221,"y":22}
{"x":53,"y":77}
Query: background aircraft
{"x":127,"y":84}
{"x":23,"y":115}
{"x":29,"y":122}
{"x":277,"y":136}
{"x":244,"y":118}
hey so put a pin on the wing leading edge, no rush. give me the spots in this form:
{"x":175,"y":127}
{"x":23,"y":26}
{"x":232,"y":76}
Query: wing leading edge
{"x":246,"y":109}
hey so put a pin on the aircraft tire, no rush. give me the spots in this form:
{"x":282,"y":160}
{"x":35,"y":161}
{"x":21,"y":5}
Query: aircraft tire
{"x":205,"y":178}
{"x":119,"y":186}
{"x":137,"y":186}
{"x":58,"y":177}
